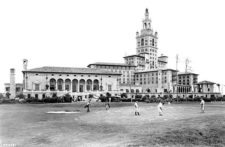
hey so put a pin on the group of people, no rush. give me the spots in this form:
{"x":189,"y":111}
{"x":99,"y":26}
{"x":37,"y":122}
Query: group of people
{"x":160,"y":107}
{"x":137,"y":110}
{"x":136,"y":106}
{"x":107,"y":104}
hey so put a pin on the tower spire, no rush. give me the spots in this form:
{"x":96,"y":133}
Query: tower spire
{"x":146,"y":14}
{"x":146,"y":21}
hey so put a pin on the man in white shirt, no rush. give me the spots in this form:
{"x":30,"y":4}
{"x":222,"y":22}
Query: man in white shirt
{"x":160,"y":105}
{"x":202,"y":105}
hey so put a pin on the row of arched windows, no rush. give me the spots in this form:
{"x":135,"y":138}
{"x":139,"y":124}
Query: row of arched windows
{"x":74,"y":85}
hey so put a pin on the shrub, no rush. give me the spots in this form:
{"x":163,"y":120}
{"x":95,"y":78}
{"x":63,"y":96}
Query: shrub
{"x":32,"y":100}
{"x":115,"y":99}
{"x":212,"y":98}
{"x":67,"y":98}
{"x":102,"y":98}
{"x":145,"y":98}
{"x":123,"y":95}
{"x":21,"y":96}
{"x":165,"y":97}
{"x":206,"y":99}
{"x":90,"y":96}
{"x":190,"y":99}
{"x":223,"y":98}
{"x":46,"y":99}
{"x":197,"y":98}
{"x":108,"y":95}
{"x":1,"y":96}
{"x":60,"y":100}
{"x":7,"y":94}
{"x":138,"y":97}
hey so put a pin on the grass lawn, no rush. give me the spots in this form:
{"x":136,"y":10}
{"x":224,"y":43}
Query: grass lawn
{"x":181,"y":125}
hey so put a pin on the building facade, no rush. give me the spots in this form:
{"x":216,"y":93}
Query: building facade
{"x":208,"y":87}
{"x":187,"y":82}
{"x":156,"y":81}
{"x":44,"y":81}
{"x":18,"y":89}
{"x":143,"y":72}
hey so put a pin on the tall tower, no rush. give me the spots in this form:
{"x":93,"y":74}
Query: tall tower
{"x":147,"y":43}
{"x":12,"y":84}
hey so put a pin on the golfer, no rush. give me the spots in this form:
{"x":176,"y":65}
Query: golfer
{"x":202,"y":103}
{"x":87,"y":106}
{"x":160,"y":105}
{"x":107,"y":105}
{"x":136,"y":108}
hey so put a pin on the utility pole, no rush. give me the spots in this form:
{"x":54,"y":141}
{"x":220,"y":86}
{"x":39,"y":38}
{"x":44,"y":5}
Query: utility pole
{"x":177,"y":58}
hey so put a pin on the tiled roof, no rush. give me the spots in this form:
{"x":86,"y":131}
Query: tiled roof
{"x":51,"y":69}
{"x":206,"y":82}
{"x":162,"y":56}
{"x":110,"y":64}
{"x":161,"y":61}
{"x":187,"y":73}
{"x":155,"y":70}
{"x":17,"y":84}
{"x":134,"y":56}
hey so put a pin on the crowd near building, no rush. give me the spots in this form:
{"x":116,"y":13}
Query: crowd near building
{"x":141,"y":73}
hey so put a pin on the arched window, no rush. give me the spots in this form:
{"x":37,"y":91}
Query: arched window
{"x":89,"y":85}
{"x":67,"y":84}
{"x":81,"y":85}
{"x":142,"y":42}
{"x":60,"y":84}
{"x":96,"y":85}
{"x":74,"y":85}
{"x":153,"y":42}
{"x":137,"y":90}
{"x":145,"y":26}
{"x":52,"y":84}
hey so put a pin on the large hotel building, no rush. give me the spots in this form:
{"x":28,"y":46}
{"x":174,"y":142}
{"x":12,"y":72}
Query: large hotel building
{"x":143,"y":72}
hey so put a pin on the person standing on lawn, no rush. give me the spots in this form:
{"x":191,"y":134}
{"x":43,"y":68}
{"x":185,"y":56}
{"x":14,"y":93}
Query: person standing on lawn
{"x":136,"y":108}
{"x":202,"y":103}
{"x":87,"y":105}
{"x":160,"y":105}
{"x":107,"y":105}
{"x":107,"y":101}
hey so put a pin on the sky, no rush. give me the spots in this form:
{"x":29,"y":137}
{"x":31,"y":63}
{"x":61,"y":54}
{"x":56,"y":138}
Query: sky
{"x":76,"y":33}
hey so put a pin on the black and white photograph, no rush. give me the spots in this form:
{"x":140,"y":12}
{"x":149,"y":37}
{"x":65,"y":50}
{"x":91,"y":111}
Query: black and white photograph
{"x":112,"y":73}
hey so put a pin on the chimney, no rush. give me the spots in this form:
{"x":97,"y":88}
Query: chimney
{"x":137,"y":33}
{"x":156,"y":34}
{"x":12,"y":84}
{"x":25,"y":62}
